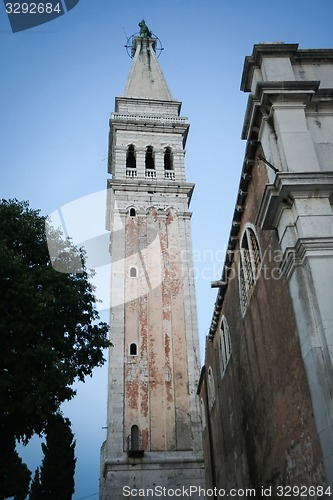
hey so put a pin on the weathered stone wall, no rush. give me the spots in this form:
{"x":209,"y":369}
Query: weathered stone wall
{"x":270,"y":409}
{"x":152,"y":476}
{"x":262,"y":427}
{"x":156,"y":311}
{"x":156,"y":380}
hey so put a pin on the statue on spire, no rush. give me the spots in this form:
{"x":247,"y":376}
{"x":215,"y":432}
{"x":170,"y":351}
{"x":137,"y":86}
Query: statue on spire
{"x":144,"y":30}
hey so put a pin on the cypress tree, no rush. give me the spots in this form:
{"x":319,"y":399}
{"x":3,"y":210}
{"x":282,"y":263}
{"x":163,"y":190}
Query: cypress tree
{"x":35,"y":488}
{"x":14,"y":474}
{"x":58,"y":466}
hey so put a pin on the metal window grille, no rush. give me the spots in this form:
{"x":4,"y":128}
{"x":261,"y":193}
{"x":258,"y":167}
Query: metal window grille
{"x":255,"y":252}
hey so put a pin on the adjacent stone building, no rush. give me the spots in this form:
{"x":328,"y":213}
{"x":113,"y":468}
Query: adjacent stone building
{"x":266,"y":388}
{"x":153,"y":424}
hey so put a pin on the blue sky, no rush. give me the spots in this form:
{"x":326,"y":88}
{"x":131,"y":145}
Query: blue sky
{"x":58,"y":84}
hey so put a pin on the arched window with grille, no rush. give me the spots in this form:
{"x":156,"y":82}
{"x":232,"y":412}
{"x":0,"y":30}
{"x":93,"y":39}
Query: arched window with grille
{"x":249,"y":264}
{"x":225,"y":345}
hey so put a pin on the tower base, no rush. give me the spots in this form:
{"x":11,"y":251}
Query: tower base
{"x":155,"y":475}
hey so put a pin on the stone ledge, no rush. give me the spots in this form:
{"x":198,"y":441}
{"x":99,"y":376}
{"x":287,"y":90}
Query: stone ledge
{"x":160,"y":458}
{"x":172,"y":187}
{"x":133,"y":118}
{"x":277,"y":49}
{"x":269,"y":93}
{"x":304,"y":248}
{"x":288,"y":185}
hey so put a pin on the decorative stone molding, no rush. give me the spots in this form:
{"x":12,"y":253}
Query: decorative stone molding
{"x":122,"y":117}
{"x":304,"y":248}
{"x":143,"y":186}
{"x":267,"y":94}
{"x":286,"y":187}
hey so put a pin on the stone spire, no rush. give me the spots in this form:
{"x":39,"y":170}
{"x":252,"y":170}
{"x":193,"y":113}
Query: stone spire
{"x":146,"y":79}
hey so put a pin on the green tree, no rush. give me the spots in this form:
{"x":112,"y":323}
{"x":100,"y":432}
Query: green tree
{"x":15,"y":475}
{"x":35,"y":487}
{"x":58,"y":466}
{"x":49,"y":330}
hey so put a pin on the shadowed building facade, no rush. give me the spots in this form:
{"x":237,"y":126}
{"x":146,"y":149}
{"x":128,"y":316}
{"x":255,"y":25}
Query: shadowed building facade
{"x":266,"y":388}
{"x":153,"y":426}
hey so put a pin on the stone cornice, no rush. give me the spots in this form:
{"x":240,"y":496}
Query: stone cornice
{"x":259,"y":51}
{"x":280,"y":50}
{"x":151,"y":119}
{"x":305,"y":247}
{"x":297,"y":88}
{"x":286,"y":187}
{"x":313,"y":55}
{"x":170,"y":459}
{"x":142,"y":186}
{"x":268,"y":94}
{"x":222,"y":284}
{"x":160,"y":213}
{"x":139,"y":101}
{"x":323,"y":95}
{"x":145,"y":123}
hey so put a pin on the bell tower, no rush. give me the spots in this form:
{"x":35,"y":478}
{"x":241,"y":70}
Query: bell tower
{"x":153,"y":425}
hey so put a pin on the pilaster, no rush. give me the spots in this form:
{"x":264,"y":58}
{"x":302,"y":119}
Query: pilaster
{"x":298,"y":207}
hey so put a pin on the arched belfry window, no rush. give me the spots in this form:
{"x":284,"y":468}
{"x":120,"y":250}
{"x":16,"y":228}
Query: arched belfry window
{"x":169,"y":173}
{"x":150,"y":160}
{"x":225,"y":345}
{"x":168,"y":160}
{"x":130,"y":157}
{"x":249,"y":265}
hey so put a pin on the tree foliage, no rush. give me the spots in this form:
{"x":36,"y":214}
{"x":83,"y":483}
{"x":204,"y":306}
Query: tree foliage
{"x":49,"y":330}
{"x":56,"y":478}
